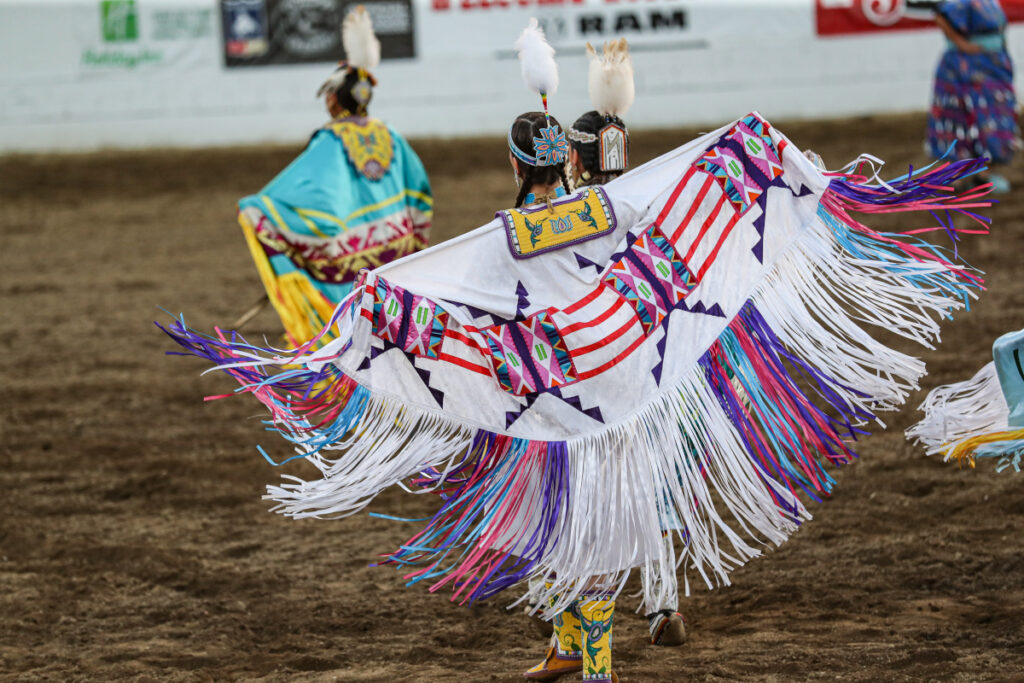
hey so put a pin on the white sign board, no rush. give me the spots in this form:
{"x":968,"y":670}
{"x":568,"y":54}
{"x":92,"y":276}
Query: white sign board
{"x":86,"y":74}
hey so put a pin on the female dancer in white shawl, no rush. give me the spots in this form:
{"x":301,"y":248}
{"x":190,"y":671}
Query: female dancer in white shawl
{"x":599,"y":153}
{"x":582,"y":634}
{"x":538,"y":151}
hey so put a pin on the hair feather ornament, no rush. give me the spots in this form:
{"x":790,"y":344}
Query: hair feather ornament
{"x":537,"y":59}
{"x":610,"y":78}
{"x":333,"y":81}
{"x":610,"y":84}
{"x":362,"y":50}
{"x":540,"y":73}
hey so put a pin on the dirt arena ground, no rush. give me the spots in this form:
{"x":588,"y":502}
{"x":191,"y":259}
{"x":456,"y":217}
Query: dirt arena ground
{"x":134,"y":543}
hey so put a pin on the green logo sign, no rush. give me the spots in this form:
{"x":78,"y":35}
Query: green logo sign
{"x":120,"y":21}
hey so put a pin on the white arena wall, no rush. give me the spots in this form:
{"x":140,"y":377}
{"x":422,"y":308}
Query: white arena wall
{"x":88,"y":74}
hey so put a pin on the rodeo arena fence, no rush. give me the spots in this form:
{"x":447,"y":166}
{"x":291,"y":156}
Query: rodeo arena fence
{"x":89,"y":74}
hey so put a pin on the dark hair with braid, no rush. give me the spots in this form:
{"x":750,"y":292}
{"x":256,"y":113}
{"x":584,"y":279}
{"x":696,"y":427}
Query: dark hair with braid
{"x":590,"y":152}
{"x":344,"y":92}
{"x":525,"y":128}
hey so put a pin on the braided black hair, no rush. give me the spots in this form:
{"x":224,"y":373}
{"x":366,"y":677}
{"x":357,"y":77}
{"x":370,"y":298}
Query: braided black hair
{"x":524,"y":129}
{"x":590,"y":152}
{"x":349,"y":104}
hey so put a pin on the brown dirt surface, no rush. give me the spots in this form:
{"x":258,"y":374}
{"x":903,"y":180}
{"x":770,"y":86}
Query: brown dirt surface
{"x":134,"y":543}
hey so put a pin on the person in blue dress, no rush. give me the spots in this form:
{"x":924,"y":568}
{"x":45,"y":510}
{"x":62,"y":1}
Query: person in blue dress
{"x":973,"y":106}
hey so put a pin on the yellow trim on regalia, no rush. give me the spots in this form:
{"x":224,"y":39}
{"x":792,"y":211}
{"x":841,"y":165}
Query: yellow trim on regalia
{"x":965,"y":449}
{"x":370,"y":208}
{"x":302,"y":307}
{"x":306,"y":213}
{"x":280,"y":221}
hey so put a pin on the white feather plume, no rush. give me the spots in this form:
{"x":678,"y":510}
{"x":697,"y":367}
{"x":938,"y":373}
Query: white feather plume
{"x":537,"y":58}
{"x":332,"y":83}
{"x":362,"y":49}
{"x":610,"y":79}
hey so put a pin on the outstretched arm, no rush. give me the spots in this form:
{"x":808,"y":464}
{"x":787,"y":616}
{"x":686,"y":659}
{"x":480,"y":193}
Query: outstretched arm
{"x":961,"y":43}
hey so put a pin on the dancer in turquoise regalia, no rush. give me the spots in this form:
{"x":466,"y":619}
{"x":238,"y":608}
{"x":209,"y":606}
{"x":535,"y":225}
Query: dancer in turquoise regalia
{"x":982,"y":417}
{"x":357,"y":197}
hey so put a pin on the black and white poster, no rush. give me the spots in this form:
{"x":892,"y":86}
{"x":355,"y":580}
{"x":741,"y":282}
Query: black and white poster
{"x":259,"y":32}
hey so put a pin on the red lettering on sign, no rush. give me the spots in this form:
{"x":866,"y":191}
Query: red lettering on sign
{"x":443,"y":5}
{"x":839,"y":17}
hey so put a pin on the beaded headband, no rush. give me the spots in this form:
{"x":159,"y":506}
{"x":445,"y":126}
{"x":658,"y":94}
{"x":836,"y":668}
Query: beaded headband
{"x":580,"y":136}
{"x":550,"y":147}
{"x":612,"y":140}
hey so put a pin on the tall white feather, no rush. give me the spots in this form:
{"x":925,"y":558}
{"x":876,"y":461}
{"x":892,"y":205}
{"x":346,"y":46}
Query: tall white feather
{"x":610,"y":79}
{"x":362,"y":49}
{"x":537,"y":58}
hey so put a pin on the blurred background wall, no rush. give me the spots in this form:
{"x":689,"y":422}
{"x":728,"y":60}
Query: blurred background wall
{"x":87,"y":74}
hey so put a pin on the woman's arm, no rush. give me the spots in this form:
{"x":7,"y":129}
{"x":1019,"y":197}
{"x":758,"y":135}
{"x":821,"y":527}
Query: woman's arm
{"x":961,"y":43}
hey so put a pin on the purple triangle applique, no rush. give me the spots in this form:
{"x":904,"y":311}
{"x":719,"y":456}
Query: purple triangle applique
{"x":583,"y":262}
{"x":425,"y":378}
{"x":759,"y":250}
{"x":523,"y":302}
{"x":656,"y":370}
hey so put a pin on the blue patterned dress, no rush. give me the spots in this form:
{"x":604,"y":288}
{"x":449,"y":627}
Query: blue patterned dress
{"x":973,"y":103}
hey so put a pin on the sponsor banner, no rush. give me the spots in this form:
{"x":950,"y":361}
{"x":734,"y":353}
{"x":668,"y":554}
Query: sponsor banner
{"x":842,"y":17}
{"x":490,"y":26}
{"x":129,"y":35}
{"x":259,"y":32}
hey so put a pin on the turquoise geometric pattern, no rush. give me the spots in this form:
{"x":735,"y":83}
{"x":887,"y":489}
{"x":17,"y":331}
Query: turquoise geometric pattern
{"x":750,"y":134}
{"x":413,"y":323}
{"x":425,"y":329}
{"x":745,"y":162}
{"x":387,"y":311}
{"x":529,"y":355}
{"x":660,"y":258}
{"x":629,"y":280}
